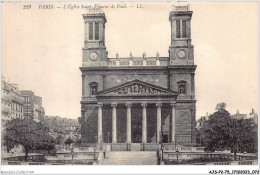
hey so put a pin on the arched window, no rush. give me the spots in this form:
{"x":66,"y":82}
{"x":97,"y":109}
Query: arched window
{"x":93,"y":88}
{"x":182,"y":86}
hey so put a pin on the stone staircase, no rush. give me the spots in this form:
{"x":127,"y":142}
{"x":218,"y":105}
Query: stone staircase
{"x":131,"y":158}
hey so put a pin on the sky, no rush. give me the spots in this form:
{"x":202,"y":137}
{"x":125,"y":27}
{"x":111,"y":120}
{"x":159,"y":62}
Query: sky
{"x":42,"y":49}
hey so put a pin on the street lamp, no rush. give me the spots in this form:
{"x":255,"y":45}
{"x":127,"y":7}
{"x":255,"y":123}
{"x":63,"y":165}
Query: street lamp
{"x":72,"y":151}
{"x":94,"y":147}
{"x":175,"y":141}
{"x":177,"y":151}
{"x":162,"y":151}
{"x":100,"y":143}
{"x":108,"y":134}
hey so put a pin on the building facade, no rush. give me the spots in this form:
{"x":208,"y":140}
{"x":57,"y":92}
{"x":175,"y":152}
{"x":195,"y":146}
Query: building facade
{"x":62,"y":126}
{"x":138,"y":99}
{"x":6,"y":101}
{"x":33,"y":108}
{"x":251,"y":116}
{"x":12,"y":101}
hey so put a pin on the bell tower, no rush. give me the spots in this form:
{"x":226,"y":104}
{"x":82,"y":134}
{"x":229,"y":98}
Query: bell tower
{"x":181,"y":51}
{"x":94,"y":50}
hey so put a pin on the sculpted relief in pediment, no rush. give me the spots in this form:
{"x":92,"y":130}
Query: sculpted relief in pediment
{"x":137,"y":89}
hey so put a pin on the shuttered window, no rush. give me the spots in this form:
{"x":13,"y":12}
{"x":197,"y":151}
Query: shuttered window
{"x":91,"y":31}
{"x":183,"y":28}
{"x":96,"y":31}
{"x":178,"y":31}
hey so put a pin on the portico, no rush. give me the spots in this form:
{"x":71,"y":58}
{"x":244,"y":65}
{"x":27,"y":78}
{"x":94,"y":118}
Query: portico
{"x":129,"y":125}
{"x":136,"y":96}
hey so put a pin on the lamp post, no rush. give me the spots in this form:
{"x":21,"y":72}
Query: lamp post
{"x":108,"y":134}
{"x":101,"y":143}
{"x":162,"y":151}
{"x":72,"y":152}
{"x":177,"y":151}
{"x":94,"y":147}
{"x":175,"y":141}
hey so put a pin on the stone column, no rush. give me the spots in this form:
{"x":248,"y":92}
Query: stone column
{"x":86,"y":31}
{"x":159,"y":123}
{"x":192,"y":85}
{"x":144,"y":124}
{"x":83,"y":85}
{"x":114,"y":140}
{"x":188,"y":32}
{"x":173,"y":121}
{"x":100,"y":123}
{"x":128,"y":125}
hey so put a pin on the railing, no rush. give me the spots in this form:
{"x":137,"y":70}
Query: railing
{"x":120,"y":147}
{"x":246,"y":162}
{"x":150,"y":146}
{"x":181,"y":8}
{"x":128,"y":63}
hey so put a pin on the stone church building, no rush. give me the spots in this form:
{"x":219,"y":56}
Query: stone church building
{"x":148,"y":100}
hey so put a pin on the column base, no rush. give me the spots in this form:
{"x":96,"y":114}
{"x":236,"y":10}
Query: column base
{"x":144,"y":142}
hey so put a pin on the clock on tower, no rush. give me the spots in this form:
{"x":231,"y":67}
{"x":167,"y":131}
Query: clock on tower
{"x":94,"y":50}
{"x":181,"y":50}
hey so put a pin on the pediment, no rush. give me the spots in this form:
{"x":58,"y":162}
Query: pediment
{"x":136,"y":87}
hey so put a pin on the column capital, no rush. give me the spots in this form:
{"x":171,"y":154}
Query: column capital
{"x":159,"y":105}
{"x":173,"y":104}
{"x":128,"y":105}
{"x":192,"y":110}
{"x":100,"y":105}
{"x":114,"y":105}
{"x":144,"y":105}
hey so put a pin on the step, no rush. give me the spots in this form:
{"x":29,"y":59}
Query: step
{"x":131,"y":158}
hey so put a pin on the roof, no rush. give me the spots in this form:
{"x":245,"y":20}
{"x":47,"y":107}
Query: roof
{"x":6,"y":86}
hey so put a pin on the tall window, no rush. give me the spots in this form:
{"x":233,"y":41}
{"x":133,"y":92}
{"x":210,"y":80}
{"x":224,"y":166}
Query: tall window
{"x":183,"y":28}
{"x":96,"y":31}
{"x":93,"y":31}
{"x":90,"y":31}
{"x":178,"y":31}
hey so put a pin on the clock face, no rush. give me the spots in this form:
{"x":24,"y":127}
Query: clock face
{"x":181,"y":54}
{"x":93,"y":56}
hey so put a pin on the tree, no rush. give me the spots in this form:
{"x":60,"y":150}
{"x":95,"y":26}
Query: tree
{"x":216,"y":130}
{"x":222,"y":132}
{"x":241,"y":135}
{"x":58,"y":139}
{"x":68,"y":141}
{"x":33,"y":136}
{"x":78,"y":141}
{"x":220,"y":106}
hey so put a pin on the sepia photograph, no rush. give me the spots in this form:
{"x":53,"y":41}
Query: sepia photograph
{"x":129,"y":83}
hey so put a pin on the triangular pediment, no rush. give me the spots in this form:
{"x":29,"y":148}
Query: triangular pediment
{"x":136,"y":87}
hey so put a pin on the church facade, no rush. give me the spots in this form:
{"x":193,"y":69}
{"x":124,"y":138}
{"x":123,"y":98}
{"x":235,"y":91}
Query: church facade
{"x":138,"y":99}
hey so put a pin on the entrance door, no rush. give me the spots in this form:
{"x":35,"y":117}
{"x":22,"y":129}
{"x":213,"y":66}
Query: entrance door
{"x":165,"y":138}
{"x":136,"y":132}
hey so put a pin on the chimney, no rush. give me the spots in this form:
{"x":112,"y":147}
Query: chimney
{"x":253,"y":111}
{"x":15,"y":85}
